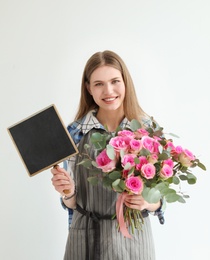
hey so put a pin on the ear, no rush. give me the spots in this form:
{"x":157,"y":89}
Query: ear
{"x":88,"y":88}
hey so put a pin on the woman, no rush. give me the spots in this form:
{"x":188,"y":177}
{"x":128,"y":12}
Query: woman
{"x":108,"y":99}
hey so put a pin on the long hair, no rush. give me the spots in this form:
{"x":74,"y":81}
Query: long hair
{"x":132,"y":109}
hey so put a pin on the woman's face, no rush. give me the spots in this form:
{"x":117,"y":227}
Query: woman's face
{"x":107,"y":88}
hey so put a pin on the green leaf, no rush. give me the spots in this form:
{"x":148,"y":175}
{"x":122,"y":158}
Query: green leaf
{"x":98,"y":140}
{"x":93,"y":180}
{"x":163,"y":156}
{"x":127,"y":166}
{"x":144,"y":152}
{"x":114,"y":175}
{"x":110,"y":151}
{"x":94,"y":172}
{"x":183,"y":177}
{"x":85,"y":162}
{"x":202,"y":166}
{"x":173,"y":135}
{"x":162,"y":185}
{"x":107,"y":182}
{"x":151,"y":195}
{"x":122,"y":153}
{"x":86,"y":146}
{"x":135,"y":125}
{"x":181,"y":199}
{"x":116,"y":182}
{"x":175,"y":180}
{"x":167,"y":191}
{"x":172,"y":197}
{"x":94,"y":164}
{"x":118,"y":185}
{"x":191,"y":181}
{"x":136,"y":160}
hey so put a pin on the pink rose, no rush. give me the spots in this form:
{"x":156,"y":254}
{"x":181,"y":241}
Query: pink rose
{"x":166,"y":171}
{"x":143,"y":160}
{"x":141,"y":132}
{"x":178,"y":149}
{"x":134,"y":184}
{"x":148,"y":170}
{"x":153,"y":158}
{"x":125,"y":173}
{"x":126,"y":133}
{"x":104,"y":162}
{"x":169,"y":162}
{"x":150,"y":144}
{"x":128,"y":158}
{"x":186,"y":158}
{"x":135,"y":145}
{"x":170,"y":144}
{"x":120,"y":143}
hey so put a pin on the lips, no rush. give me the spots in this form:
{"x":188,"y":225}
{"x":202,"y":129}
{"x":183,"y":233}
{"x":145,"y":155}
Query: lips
{"x":109,"y":99}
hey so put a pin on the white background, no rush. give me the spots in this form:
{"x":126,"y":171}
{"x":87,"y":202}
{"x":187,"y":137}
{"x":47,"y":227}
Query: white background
{"x":44,"y":45}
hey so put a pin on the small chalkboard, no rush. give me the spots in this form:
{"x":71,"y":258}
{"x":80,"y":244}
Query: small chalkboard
{"x":42,"y":140}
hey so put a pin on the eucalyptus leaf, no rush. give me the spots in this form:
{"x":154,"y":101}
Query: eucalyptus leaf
{"x":183,"y":177}
{"x":151,"y":195}
{"x":163,"y":156}
{"x":110,"y":151}
{"x":122,"y":185}
{"x":116,"y":182}
{"x":94,"y":172}
{"x":127,"y":166}
{"x":122,"y":153}
{"x":203,"y":167}
{"x":85,"y":162}
{"x":135,"y":125}
{"x":191,"y":181}
{"x":115,"y":175}
{"x":160,"y":148}
{"x":172,"y":197}
{"x":175,"y":180}
{"x":107,"y":182}
{"x":94,"y":164}
{"x":162,"y":185}
{"x":98,"y":140}
{"x":118,"y":185}
{"x":96,"y":137}
{"x":167,"y":191}
{"x":144,"y":152}
{"x":173,"y":135}
{"x":136,"y":160}
{"x":181,"y":199}
{"x":86,"y":146}
{"x":93,"y":180}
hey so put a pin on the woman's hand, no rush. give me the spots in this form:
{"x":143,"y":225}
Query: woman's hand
{"x":62,"y":181}
{"x":139,"y":203}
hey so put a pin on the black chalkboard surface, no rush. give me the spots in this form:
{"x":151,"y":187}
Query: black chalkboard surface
{"x":42,"y":140}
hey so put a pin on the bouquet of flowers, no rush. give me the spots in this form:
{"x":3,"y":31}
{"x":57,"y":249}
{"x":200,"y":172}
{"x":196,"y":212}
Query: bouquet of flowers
{"x":140,"y":161}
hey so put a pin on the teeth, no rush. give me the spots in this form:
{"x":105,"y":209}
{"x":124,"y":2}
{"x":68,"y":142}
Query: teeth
{"x":109,"y":99}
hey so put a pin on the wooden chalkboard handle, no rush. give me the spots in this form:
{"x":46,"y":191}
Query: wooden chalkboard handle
{"x":64,"y":191}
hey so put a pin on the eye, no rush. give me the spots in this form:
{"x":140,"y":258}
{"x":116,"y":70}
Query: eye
{"x":115,"y":81}
{"x":98,"y":84}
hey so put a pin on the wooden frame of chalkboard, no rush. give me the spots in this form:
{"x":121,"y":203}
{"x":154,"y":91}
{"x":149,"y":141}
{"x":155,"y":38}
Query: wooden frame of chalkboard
{"x":42,"y":140}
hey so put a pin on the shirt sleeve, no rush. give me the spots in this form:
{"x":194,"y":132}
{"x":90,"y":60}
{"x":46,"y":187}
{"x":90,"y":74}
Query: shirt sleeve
{"x":69,"y":166}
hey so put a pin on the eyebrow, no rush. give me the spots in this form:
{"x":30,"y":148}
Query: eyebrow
{"x":96,"y":81}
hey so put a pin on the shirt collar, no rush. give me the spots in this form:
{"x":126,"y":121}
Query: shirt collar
{"x":90,"y":121}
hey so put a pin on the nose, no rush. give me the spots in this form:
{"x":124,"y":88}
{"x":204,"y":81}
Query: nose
{"x":108,"y":88}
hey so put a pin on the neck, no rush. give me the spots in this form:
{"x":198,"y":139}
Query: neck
{"x":111,"y":120}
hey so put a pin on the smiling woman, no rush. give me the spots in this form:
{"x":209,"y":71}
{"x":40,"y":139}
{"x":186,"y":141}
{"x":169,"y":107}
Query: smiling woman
{"x":107,"y":93}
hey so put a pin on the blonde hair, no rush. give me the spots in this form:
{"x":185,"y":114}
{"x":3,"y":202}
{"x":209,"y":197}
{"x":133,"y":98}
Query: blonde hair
{"x":131,"y":106}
